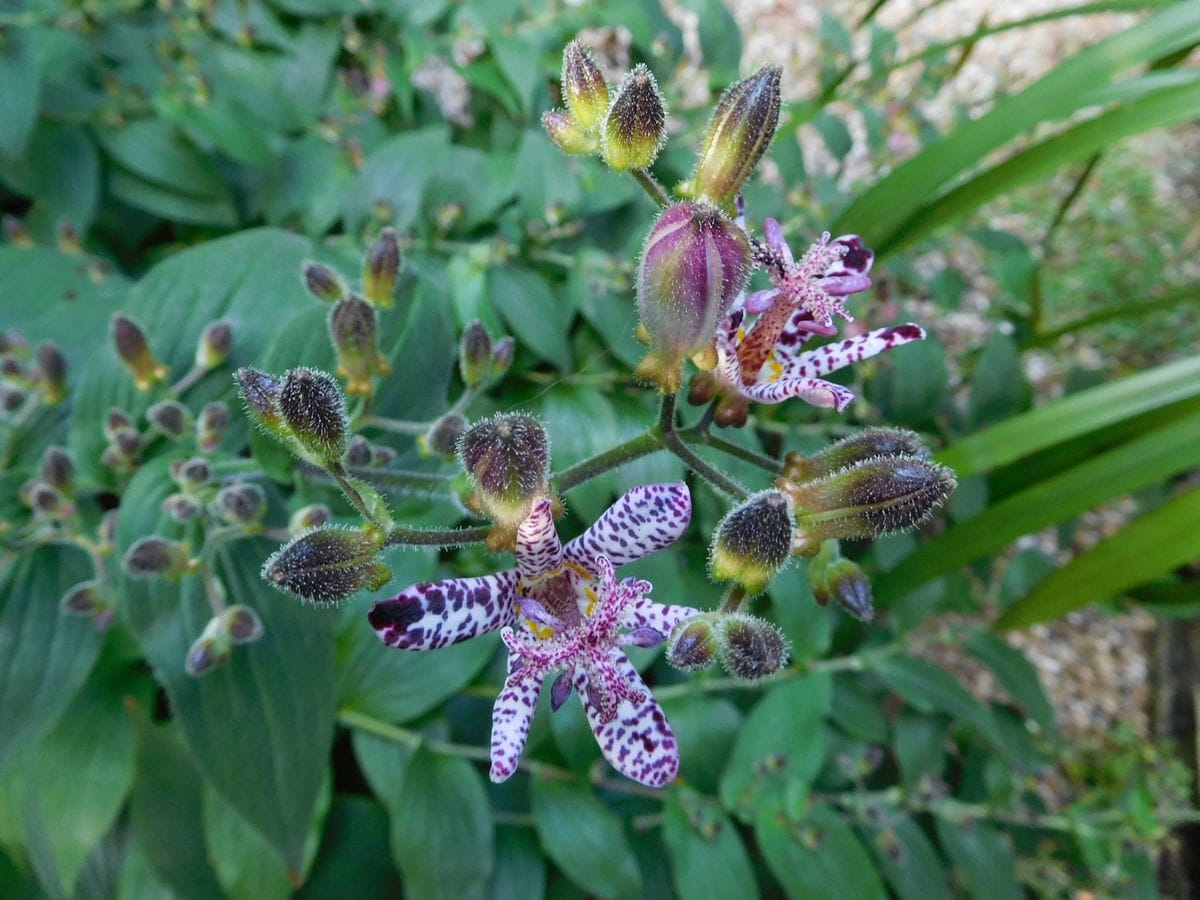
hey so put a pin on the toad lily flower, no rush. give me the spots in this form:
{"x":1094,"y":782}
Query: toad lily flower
{"x":759,"y":341}
{"x":562,"y":609}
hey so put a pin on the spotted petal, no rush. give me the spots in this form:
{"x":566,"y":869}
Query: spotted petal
{"x":839,"y":354}
{"x":662,"y":617}
{"x":538,"y":548}
{"x":644,"y":519}
{"x":436,"y":614}
{"x":638,"y":742}
{"x":811,"y":390}
{"x":511,"y":715}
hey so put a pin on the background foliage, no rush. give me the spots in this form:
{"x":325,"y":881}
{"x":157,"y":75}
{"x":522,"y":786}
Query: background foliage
{"x":178,"y":163}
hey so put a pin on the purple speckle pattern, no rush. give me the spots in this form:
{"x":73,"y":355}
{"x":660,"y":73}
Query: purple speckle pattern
{"x":511,"y":716}
{"x":813,"y":391}
{"x":539,"y":550}
{"x":644,"y":519}
{"x":436,"y":614}
{"x":662,"y":617}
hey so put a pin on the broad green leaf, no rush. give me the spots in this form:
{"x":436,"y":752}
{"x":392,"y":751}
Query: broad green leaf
{"x":354,"y":850}
{"x":983,"y":857}
{"x":169,"y":204}
{"x":45,"y":656}
{"x":1150,"y":546}
{"x":708,"y":859}
{"x":138,"y":880}
{"x":1132,"y":466}
{"x":60,"y":173}
{"x":906,"y":858}
{"x":520,"y":866}
{"x":260,"y":726}
{"x":21,"y":75}
{"x":919,"y":746}
{"x":584,"y":838}
{"x":998,"y":387}
{"x":154,"y":150}
{"x":705,"y":728}
{"x":720,"y":41}
{"x":910,"y":387}
{"x":539,"y":319}
{"x":519,"y":59}
{"x":819,"y":858}
{"x":384,"y":764}
{"x":1016,"y":675}
{"x":442,"y":832}
{"x":394,"y":178}
{"x":929,"y":688}
{"x":785,"y":728}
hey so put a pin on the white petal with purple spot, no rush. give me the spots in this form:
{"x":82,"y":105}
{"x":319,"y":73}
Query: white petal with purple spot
{"x":538,"y":548}
{"x":436,"y":614}
{"x":643,"y":519}
{"x":511,"y":715}
{"x":646,"y":613}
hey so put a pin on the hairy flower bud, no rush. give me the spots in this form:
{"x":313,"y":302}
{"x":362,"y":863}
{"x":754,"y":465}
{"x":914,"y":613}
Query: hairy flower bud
{"x":46,"y":501}
{"x":82,"y":599}
{"x":115,"y":420}
{"x":637,"y":122}
{"x":322,"y":281}
{"x":170,"y":418}
{"x":584,"y":89}
{"x":210,"y":427}
{"x":692,"y":645}
{"x":308,"y":517}
{"x":153,"y":555}
{"x":58,"y":470}
{"x":214,"y":345}
{"x":353,"y":331}
{"x":443,"y":436}
{"x":51,"y":372}
{"x":871,"y":498}
{"x":567,"y":134}
{"x":260,"y":394}
{"x":381,"y":269}
{"x":870,"y":443}
{"x":312,"y":405}
{"x":694,"y":263}
{"x":327,"y":565}
{"x":751,"y":648}
{"x":241,"y":504}
{"x":130,"y":344}
{"x":183,"y":507}
{"x":475,"y":354}
{"x":128,"y":443}
{"x":358,"y":452}
{"x":241,"y":624}
{"x":738,"y":134}
{"x":843,"y":581}
{"x":502,"y":356}
{"x":191,"y":473}
{"x":11,"y":398}
{"x":210,"y":651}
{"x":508,"y":460}
{"x":754,"y":541}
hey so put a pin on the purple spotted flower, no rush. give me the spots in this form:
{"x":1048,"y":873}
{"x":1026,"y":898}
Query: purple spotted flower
{"x":562,"y":609}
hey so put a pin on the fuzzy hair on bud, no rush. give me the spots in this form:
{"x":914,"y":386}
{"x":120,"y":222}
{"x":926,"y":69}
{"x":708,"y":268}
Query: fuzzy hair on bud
{"x":692,"y":645}
{"x":260,"y":395}
{"x":183,"y":507}
{"x":51,"y":373}
{"x":871,"y":443}
{"x":312,"y":405}
{"x":241,"y":504}
{"x":241,"y":624}
{"x":322,"y":281}
{"x":507,"y":458}
{"x":327,"y":565}
{"x":153,"y":556}
{"x":754,"y":541}
{"x":738,"y":135}
{"x":354,"y":334}
{"x":874,"y":497}
{"x":170,"y":418}
{"x":443,"y":436}
{"x":751,"y":648}
{"x":584,"y":89}
{"x":58,"y":470}
{"x":381,"y":269}
{"x":82,"y":599}
{"x":129,"y":341}
{"x":214,"y":345}
{"x":308,"y":517}
{"x":567,"y":134}
{"x":475,"y":354}
{"x":636,"y":126}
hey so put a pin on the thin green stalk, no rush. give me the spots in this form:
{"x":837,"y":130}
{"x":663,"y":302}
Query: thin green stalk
{"x":403,"y":478}
{"x":405,"y":536}
{"x":692,"y":436}
{"x":651,"y":186}
{"x":342,"y":478}
{"x":396,"y":426}
{"x":635,"y":447}
{"x":713,"y":476}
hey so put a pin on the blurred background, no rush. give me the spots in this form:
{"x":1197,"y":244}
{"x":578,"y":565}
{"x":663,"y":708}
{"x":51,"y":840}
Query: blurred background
{"x":1019,"y":720}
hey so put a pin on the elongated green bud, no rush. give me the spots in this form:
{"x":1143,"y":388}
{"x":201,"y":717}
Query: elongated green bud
{"x":381,"y":269}
{"x":502,"y":356}
{"x":738,"y":134}
{"x":241,"y":624}
{"x":322,"y":281}
{"x":692,"y":645}
{"x":210,"y":651}
{"x":129,"y":341}
{"x":584,"y":89}
{"x":568,"y":135}
{"x":214,"y":345}
{"x":211,"y":425}
{"x":443,"y":436}
{"x":842,"y":581}
{"x":51,"y":373}
{"x":154,"y":556}
{"x":507,"y":459}
{"x":170,"y":419}
{"x":870,"y":443}
{"x":327,"y":565}
{"x":260,"y":393}
{"x":754,"y":541}
{"x":58,"y":470}
{"x":315,"y":412}
{"x":636,"y":126}
{"x":353,"y":331}
{"x":475,"y":354}
{"x":243,"y":505}
{"x":308,"y":517}
{"x":871,"y":498}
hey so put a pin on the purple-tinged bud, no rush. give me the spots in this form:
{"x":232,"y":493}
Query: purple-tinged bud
{"x":82,"y":599}
{"x":327,"y":565}
{"x":381,"y":269}
{"x":584,"y":89}
{"x":12,"y":370}
{"x":155,"y":556}
{"x":46,"y":501}
{"x":507,"y":458}
{"x":354,"y":334}
{"x":843,"y":581}
{"x":694,"y":264}
{"x":358,"y":452}
{"x":190,"y":474}
{"x":243,"y":505}
{"x":738,"y":134}
{"x":210,"y":426}
{"x":14,"y":342}
{"x":561,"y":689}
{"x":751,"y":648}
{"x":871,"y":443}
{"x":58,"y":470}
{"x":128,"y":442}
{"x":114,"y":421}
{"x":568,"y":135}
{"x":382,"y":456}
{"x":314,"y":409}
{"x":260,"y":394}
{"x":475,"y":354}
{"x":183,"y":507}
{"x":16,"y":232}
{"x":636,"y":126}
{"x":322,"y":282}
{"x":129,"y":341}
{"x":443,"y":436}
{"x":308,"y":517}
{"x":754,"y":541}
{"x":214,"y":345}
{"x":241,"y":624}
{"x":209,"y":652}
{"x":693,"y":644}
{"x":12,"y":398}
{"x":51,"y":373}
{"x":502,"y":356}
{"x":68,"y":239}
{"x":871,"y":498}
{"x":107,"y":531}
{"x":170,"y":418}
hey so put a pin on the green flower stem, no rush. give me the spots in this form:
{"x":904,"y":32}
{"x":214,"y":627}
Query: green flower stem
{"x":651,"y":186}
{"x":341,"y":476}
{"x":734,"y":599}
{"x":573,"y":476}
{"x":713,"y":476}
{"x":396,"y":426}
{"x":405,"y":536}
{"x":403,"y":478}
{"x":187,"y":381}
{"x":694,"y":436}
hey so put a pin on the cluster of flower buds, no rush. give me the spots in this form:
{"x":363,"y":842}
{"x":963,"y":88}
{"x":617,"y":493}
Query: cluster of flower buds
{"x":50,"y":495}
{"x":235,"y":625}
{"x":195,"y":489}
{"x":210,"y":425}
{"x":133,"y":350}
{"x":325,"y":564}
{"x":305,"y":410}
{"x":507,"y":459}
{"x":747,"y":646}
{"x":214,"y":345}
{"x":362,"y":454}
{"x":23,"y":379}
{"x":480,"y":360}
{"x":878,"y":482}
{"x":833,"y":577}
{"x":89,"y":598}
{"x":123,"y":452}
{"x":156,"y":557}
{"x":626,"y":128}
